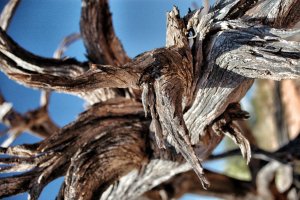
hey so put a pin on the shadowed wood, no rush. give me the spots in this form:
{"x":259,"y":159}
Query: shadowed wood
{"x":190,"y":88}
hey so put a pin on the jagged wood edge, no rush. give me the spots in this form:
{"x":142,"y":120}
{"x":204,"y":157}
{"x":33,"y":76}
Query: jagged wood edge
{"x":96,"y":134}
{"x":102,"y":45}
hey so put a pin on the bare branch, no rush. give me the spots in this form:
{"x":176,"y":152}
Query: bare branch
{"x":21,"y":150}
{"x":12,"y":136}
{"x":7,"y":13}
{"x":101,"y":42}
{"x":162,"y":166}
{"x":67,"y":41}
{"x":89,"y":146}
{"x":274,"y":13}
{"x":89,"y":179}
{"x":187,"y":87}
{"x":91,"y":129}
{"x":45,"y":97}
{"x":70,"y":75}
{"x":209,"y":102}
{"x":222,"y":186}
{"x":235,"y":134}
{"x":37,"y":121}
{"x":155,"y":63}
{"x":176,"y":33}
{"x":225,"y":125}
{"x":277,"y":60}
{"x":230,"y":188}
{"x":62,"y":75}
{"x":15,"y":185}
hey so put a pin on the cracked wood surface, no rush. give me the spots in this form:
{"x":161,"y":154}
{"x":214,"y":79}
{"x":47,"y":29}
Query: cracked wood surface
{"x":188,"y":87}
{"x":37,"y":121}
{"x":102,"y":45}
{"x":95,"y":135}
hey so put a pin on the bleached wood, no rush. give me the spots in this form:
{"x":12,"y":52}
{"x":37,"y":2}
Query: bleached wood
{"x":188,"y":87}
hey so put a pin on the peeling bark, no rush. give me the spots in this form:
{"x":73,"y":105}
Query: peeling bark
{"x":221,"y":186}
{"x":191,"y":89}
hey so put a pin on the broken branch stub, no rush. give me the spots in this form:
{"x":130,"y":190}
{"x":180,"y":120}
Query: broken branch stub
{"x":187,"y":87}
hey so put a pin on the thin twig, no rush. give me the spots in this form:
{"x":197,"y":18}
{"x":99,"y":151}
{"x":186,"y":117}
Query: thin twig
{"x":65,"y":43}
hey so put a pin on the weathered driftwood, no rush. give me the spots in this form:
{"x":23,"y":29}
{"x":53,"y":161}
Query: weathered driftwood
{"x":157,"y":115}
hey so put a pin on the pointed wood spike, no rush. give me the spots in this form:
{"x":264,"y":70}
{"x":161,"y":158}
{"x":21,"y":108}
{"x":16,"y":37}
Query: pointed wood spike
{"x":235,"y":134}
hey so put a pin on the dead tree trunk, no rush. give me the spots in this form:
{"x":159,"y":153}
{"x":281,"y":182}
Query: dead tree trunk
{"x":155,"y":117}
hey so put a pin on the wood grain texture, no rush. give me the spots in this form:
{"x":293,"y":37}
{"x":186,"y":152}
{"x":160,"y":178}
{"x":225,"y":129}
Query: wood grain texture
{"x":190,"y":88}
{"x":102,"y":44}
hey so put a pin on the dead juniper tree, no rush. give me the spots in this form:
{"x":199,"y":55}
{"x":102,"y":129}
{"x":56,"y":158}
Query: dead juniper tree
{"x":154,"y":119}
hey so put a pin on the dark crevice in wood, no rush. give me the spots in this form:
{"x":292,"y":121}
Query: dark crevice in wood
{"x":111,"y":151}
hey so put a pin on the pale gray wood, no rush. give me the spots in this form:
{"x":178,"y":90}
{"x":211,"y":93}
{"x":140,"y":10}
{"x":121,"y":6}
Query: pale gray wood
{"x":112,"y":151}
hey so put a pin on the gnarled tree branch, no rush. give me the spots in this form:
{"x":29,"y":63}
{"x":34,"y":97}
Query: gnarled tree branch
{"x":222,"y":186}
{"x":37,"y":121}
{"x":101,"y":42}
{"x":86,"y":149}
{"x":188,"y":87}
{"x":256,"y":52}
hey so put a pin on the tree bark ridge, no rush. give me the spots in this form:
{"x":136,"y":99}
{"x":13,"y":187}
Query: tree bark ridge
{"x":189,"y":87}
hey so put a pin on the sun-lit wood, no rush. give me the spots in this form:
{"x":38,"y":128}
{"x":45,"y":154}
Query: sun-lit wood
{"x":154,"y":119}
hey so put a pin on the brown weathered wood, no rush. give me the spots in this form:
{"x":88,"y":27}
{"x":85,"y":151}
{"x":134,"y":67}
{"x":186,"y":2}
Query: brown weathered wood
{"x":277,"y":13}
{"x":95,"y":136}
{"x":37,"y":121}
{"x":191,"y":89}
{"x":102,"y":44}
{"x":67,"y":41}
{"x":222,"y":186}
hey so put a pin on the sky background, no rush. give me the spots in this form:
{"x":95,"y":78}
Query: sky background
{"x":39,"y":26}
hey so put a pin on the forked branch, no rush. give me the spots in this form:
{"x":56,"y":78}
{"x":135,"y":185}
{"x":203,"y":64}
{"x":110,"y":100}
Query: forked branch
{"x":7,"y":13}
{"x":187,"y":90}
{"x":100,"y":40}
{"x":87,"y":151}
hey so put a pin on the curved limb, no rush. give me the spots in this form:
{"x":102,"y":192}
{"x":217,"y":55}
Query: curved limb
{"x":100,"y":40}
{"x":7,"y":13}
{"x":98,"y":144}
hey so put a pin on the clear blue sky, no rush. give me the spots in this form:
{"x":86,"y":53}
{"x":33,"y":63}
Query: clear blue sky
{"x":39,"y":26}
